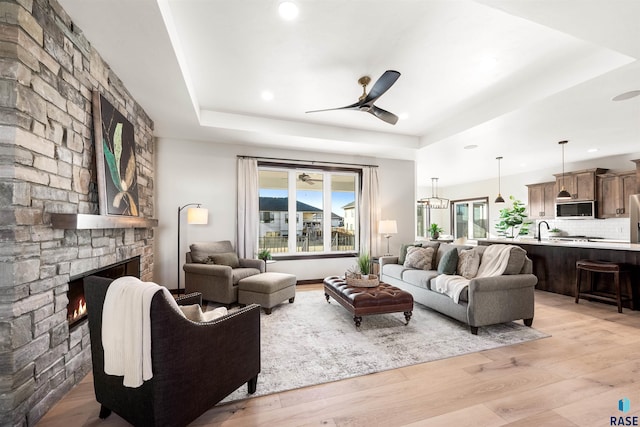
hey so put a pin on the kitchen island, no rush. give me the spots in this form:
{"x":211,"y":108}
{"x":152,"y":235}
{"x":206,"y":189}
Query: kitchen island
{"x":554,"y":262}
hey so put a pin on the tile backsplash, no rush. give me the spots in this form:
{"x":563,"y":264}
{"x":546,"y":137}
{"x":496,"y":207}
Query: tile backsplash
{"x":610,"y":228}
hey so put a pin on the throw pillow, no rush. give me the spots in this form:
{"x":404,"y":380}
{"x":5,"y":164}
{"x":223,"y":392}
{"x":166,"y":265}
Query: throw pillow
{"x":468,"y":263}
{"x":449,"y":262}
{"x":201,"y":250}
{"x":419,"y":258}
{"x":516,"y":260}
{"x":195,"y":314}
{"x":225,"y":258}
{"x":403,"y":251}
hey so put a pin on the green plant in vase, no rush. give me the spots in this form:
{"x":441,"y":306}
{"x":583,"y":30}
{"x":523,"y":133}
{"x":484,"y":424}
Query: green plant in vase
{"x":364,"y":265}
{"x":513,"y":220}
{"x":435,"y":230}
{"x":264,"y":254}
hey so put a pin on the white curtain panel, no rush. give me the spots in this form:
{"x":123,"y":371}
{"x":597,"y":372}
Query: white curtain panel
{"x":248,"y":208}
{"x":369,"y":212}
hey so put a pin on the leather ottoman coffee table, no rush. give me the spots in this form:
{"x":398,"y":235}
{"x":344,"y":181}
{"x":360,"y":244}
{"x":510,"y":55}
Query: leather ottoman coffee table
{"x":358,"y":301}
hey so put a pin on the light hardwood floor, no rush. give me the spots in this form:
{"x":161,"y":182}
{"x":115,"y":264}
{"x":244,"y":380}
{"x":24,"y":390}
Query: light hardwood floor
{"x":573,"y":378}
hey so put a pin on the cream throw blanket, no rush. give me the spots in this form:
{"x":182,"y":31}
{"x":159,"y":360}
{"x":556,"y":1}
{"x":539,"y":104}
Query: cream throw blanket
{"x":494,"y":262}
{"x":126,"y":328}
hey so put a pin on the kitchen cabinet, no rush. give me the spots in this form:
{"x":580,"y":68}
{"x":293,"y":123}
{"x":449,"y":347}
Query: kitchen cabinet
{"x":613,"y":191}
{"x":542,"y":199}
{"x":580,"y":184}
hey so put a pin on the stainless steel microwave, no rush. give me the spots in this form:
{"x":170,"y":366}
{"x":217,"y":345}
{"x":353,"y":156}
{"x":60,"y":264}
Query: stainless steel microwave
{"x":576,"y":210}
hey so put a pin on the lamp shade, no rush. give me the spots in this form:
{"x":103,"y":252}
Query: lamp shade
{"x":198,"y":216}
{"x":388,"y":226}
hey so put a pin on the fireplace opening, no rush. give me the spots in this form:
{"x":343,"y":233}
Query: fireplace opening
{"x":76,"y":308}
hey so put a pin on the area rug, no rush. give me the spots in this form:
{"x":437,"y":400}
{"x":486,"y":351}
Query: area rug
{"x":312,"y":342}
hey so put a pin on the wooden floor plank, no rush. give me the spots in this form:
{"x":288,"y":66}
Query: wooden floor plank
{"x":576,"y":377}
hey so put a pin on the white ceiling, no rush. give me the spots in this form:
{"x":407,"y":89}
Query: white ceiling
{"x":513,"y":77}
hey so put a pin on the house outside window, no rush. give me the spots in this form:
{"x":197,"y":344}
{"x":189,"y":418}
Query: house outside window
{"x":324,"y":203}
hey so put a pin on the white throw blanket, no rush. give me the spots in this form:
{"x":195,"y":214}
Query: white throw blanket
{"x":126,"y":329}
{"x":494,"y":262}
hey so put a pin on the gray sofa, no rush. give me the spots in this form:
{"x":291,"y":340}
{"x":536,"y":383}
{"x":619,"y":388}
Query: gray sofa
{"x":486,"y":301}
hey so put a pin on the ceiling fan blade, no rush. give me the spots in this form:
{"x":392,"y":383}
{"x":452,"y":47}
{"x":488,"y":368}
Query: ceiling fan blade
{"x":383,"y":84}
{"x":383,"y":115}
{"x":348,"y":107}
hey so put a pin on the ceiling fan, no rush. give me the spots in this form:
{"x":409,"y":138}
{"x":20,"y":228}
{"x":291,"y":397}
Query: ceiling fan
{"x":306,"y":178}
{"x":365,"y":102}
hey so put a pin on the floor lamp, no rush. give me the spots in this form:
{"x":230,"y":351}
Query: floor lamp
{"x":195,"y":215}
{"x":388,"y":227}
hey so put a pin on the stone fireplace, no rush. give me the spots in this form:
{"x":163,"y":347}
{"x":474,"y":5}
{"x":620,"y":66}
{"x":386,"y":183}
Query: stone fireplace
{"x":76,"y":307}
{"x":48,"y":71}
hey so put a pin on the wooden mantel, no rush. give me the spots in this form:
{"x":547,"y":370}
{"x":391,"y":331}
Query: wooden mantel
{"x":89,"y":222}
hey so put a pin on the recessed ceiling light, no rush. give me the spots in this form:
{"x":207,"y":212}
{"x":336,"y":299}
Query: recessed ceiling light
{"x":626,"y":95}
{"x":470,"y":147}
{"x":403,"y":116}
{"x":592,"y":150}
{"x":267,"y":95}
{"x":288,"y":10}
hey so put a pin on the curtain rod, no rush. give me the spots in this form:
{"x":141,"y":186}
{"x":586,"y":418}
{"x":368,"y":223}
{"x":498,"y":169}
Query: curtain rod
{"x":307,"y":162}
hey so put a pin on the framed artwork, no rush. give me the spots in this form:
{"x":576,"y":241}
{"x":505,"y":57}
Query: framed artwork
{"x":115,"y":160}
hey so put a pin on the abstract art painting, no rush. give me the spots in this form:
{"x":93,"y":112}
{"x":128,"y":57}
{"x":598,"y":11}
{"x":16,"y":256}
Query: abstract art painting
{"x":115,"y":159}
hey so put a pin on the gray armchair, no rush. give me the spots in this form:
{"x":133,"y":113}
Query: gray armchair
{"x":214,"y":269}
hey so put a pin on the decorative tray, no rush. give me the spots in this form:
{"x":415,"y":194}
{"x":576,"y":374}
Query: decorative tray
{"x":357,"y":281}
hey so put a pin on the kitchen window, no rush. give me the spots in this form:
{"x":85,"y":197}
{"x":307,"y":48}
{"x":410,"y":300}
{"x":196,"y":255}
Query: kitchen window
{"x":470,"y":218}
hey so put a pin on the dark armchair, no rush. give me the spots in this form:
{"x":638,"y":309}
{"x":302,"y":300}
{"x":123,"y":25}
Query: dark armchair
{"x":195,"y":365}
{"x":214,"y":270}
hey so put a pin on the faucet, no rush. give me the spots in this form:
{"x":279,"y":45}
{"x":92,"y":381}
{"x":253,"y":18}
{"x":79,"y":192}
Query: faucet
{"x":539,"y":224}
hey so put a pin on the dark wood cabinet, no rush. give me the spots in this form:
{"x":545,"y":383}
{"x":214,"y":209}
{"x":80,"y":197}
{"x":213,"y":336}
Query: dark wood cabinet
{"x":542,"y":198}
{"x":613,"y":191}
{"x":580,"y":184}
{"x":555,"y":266}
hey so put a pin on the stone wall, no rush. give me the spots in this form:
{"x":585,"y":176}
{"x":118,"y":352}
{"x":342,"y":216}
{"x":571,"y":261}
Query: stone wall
{"x":48,"y":71}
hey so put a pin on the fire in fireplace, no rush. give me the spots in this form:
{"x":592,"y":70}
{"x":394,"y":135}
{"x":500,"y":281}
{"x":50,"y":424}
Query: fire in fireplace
{"x":76,"y":308}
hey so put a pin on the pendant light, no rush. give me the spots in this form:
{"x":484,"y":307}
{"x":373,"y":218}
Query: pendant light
{"x":499,"y":199}
{"x":563,"y":194}
{"x":435,"y":202}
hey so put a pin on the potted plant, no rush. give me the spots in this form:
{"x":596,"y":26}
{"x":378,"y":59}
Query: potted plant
{"x":513,"y":220}
{"x":264,"y":255}
{"x":364,"y":265}
{"x":555,"y":232}
{"x":434,"y":231}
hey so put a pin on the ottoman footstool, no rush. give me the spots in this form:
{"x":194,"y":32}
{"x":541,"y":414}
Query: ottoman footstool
{"x":267,"y":290}
{"x":382,"y":299}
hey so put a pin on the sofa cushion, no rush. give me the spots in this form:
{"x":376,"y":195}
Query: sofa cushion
{"x":420,"y":278}
{"x":200,"y":251}
{"x":195,"y":314}
{"x":435,"y":246}
{"x":443,"y":249}
{"x":468,"y":263}
{"x":516,"y":260}
{"x":448,"y":263}
{"x":393,"y":270}
{"x":403,"y":251}
{"x":225,"y":258}
{"x":419,"y":258}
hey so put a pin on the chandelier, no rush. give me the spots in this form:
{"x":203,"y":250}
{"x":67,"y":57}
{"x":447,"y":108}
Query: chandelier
{"x":434,"y":202}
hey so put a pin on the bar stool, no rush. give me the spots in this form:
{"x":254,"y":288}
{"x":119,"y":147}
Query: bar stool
{"x":592,"y":266}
